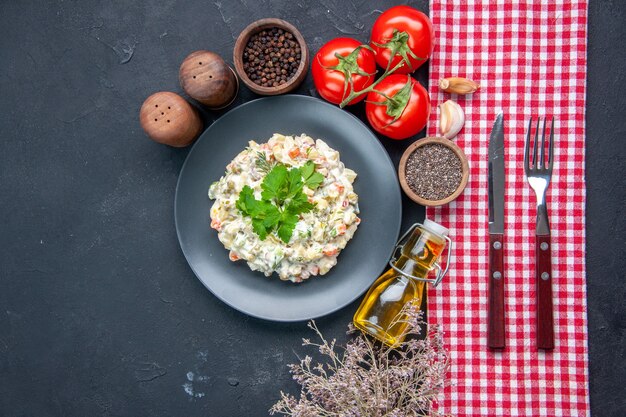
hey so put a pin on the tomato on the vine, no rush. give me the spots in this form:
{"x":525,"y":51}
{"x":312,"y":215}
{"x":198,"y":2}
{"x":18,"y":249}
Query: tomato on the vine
{"x":398,"y":107}
{"x":402,"y":33}
{"x":341,"y":66}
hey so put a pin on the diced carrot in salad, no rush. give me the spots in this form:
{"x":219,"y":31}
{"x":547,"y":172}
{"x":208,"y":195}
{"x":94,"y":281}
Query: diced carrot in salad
{"x":216,"y":224}
{"x":294,"y":152}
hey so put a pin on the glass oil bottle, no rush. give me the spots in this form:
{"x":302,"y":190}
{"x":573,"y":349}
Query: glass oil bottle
{"x":381,"y":313}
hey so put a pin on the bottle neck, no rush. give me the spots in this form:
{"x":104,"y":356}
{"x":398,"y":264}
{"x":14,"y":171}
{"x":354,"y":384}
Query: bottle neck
{"x":410,"y":267}
{"x":420,"y":253}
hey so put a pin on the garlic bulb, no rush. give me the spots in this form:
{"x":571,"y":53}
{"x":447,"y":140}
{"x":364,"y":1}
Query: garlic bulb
{"x":451,"y":119}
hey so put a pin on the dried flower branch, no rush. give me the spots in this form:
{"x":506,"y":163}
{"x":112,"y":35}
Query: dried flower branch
{"x":369,"y":379}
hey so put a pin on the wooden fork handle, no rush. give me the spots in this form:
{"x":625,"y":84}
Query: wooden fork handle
{"x":495,"y":331}
{"x":543,"y":270}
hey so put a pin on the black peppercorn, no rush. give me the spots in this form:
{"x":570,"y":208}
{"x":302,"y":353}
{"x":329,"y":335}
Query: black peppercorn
{"x":273,"y":56}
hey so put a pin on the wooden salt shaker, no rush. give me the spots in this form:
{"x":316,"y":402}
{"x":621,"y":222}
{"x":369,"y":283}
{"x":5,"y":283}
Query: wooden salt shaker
{"x":169,"y":119}
{"x":207,"y":78}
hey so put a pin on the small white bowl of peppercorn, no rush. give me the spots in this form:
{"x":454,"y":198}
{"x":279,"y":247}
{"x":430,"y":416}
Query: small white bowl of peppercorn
{"x":271,"y":57}
{"x":433,"y":171}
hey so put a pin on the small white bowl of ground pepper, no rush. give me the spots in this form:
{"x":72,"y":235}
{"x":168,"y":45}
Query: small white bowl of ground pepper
{"x":433,"y":171}
{"x":271,"y":57}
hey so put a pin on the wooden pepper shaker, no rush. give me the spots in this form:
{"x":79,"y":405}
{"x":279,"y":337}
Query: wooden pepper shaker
{"x":169,"y":119}
{"x":207,"y":78}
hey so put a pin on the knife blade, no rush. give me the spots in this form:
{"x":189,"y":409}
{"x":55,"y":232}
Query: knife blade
{"x":495,"y":332}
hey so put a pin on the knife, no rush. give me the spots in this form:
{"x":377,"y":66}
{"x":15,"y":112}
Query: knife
{"x":495,"y":332}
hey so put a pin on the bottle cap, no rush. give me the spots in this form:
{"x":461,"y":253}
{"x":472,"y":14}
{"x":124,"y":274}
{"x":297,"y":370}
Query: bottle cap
{"x":435,"y":227}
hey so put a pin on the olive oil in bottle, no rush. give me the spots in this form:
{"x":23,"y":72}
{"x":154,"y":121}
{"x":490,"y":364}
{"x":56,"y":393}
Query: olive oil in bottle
{"x":381,"y":313}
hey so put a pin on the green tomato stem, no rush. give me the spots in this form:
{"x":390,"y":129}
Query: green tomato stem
{"x":354,"y":94}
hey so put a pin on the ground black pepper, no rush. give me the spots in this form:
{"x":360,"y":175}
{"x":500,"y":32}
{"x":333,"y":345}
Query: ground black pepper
{"x":271,"y":57}
{"x":433,"y":171}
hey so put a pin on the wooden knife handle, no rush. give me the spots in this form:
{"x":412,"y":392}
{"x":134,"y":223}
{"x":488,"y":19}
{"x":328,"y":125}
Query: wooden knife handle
{"x":495,"y":333}
{"x":543,"y":270}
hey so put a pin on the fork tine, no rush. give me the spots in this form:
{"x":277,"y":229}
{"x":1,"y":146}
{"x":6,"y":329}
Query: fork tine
{"x":551,"y":152}
{"x":534,"y":163}
{"x":542,"y":160}
{"x":527,"y":145}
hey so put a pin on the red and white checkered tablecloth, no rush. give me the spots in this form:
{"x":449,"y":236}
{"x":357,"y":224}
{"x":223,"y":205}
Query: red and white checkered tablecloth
{"x":530,"y":59}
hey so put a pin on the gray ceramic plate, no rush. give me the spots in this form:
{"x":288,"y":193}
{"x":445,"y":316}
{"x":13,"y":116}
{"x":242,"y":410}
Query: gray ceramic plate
{"x":359,"y":264}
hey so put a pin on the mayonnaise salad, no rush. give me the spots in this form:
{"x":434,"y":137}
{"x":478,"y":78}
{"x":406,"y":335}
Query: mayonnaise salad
{"x":319,"y":235}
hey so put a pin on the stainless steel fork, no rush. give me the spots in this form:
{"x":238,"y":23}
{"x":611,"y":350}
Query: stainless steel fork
{"x":539,"y":171}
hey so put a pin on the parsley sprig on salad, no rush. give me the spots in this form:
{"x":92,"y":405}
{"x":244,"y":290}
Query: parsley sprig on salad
{"x":282,"y":200}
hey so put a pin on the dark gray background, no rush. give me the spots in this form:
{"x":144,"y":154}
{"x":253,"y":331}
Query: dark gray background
{"x":99,"y":312}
